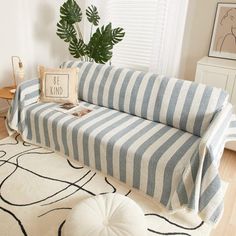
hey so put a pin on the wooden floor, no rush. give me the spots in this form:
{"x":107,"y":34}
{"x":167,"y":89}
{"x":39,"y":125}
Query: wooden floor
{"x":3,"y":131}
{"x":227,"y":226}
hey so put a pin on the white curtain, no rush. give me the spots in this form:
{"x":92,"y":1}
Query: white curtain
{"x":154,"y":32}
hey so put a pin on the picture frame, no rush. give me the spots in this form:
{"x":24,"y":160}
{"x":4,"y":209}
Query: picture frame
{"x":223,"y":38}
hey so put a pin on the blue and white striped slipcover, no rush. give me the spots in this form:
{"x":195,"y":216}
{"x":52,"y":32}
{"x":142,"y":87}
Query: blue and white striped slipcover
{"x":138,"y":143}
{"x":182,"y":104}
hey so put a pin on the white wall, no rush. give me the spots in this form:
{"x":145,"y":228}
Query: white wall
{"x":28,"y":29}
{"x":200,"y":19}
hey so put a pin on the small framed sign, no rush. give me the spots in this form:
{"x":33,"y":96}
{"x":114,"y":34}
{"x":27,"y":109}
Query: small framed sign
{"x":59,"y":85}
{"x":56,"y":85}
{"x":223,"y":39}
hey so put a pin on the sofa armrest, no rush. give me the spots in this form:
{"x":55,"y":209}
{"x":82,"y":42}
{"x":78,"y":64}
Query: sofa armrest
{"x":222,"y":127}
{"x":210,"y":151}
{"x":26,"y":93}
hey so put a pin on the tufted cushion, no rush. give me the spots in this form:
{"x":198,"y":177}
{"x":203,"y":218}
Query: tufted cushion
{"x":106,"y":215}
{"x":179,"y":103}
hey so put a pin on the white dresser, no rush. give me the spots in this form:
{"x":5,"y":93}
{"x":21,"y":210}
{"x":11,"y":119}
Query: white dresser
{"x":220,"y":73}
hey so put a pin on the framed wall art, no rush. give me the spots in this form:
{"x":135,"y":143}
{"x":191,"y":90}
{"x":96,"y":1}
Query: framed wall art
{"x":223,"y":39}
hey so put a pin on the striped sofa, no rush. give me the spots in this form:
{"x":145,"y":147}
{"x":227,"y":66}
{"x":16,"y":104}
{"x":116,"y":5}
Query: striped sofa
{"x":161,"y":135}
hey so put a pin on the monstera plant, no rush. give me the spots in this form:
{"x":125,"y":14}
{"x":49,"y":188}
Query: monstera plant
{"x":99,"y":48}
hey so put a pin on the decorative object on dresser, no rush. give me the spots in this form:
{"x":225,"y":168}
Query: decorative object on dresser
{"x":223,"y":39}
{"x":100,"y":45}
{"x":220,"y":73}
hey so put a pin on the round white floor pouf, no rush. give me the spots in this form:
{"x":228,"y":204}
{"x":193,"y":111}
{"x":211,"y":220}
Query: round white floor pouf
{"x":106,"y":215}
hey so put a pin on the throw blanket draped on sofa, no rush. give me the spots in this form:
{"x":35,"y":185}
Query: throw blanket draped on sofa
{"x":161,"y":135}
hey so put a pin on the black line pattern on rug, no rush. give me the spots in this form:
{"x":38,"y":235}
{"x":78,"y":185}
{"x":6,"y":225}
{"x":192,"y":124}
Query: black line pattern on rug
{"x":113,"y":187}
{"x":15,"y":138}
{"x":44,"y":177}
{"x":16,"y":219}
{"x":24,"y":152}
{"x":55,"y":209}
{"x":72,"y":192}
{"x":128,"y":193}
{"x":26,"y":144}
{"x":3,"y":153}
{"x":60,"y":228}
{"x":169,"y":233}
{"x":70,"y":185}
{"x":75,"y":167}
{"x":182,"y":227}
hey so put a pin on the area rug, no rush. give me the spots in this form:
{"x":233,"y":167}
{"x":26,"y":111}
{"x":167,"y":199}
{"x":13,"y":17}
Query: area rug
{"x":38,"y":188}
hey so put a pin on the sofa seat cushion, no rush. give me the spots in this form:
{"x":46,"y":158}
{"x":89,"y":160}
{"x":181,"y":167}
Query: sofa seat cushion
{"x":146,"y":155}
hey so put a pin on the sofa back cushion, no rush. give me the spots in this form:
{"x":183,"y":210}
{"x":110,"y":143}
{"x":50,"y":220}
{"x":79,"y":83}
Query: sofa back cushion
{"x":182,"y":104}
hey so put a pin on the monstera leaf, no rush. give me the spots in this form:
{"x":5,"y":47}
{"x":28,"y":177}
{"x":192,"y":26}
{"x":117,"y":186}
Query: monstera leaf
{"x":77,"y":48}
{"x":117,"y":35}
{"x":101,"y":42}
{"x":92,"y":15}
{"x":66,"y":31}
{"x":71,"y":12}
{"x":100,"y":45}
